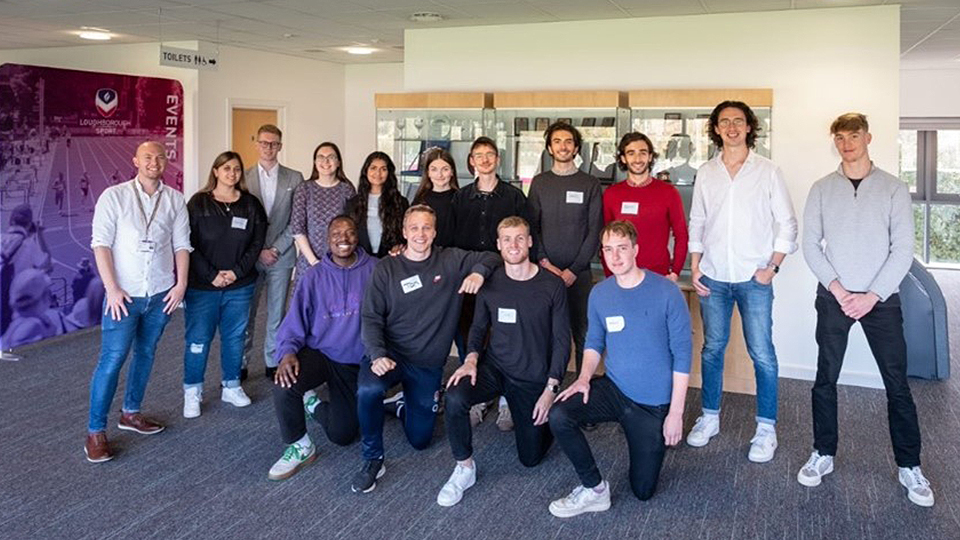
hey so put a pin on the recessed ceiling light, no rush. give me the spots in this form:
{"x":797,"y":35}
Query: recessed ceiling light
{"x":359,"y":50}
{"x":426,"y":17}
{"x":95,"y":34}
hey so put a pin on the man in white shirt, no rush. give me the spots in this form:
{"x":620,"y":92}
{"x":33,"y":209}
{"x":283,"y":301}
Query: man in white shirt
{"x":742,"y":225}
{"x":141,"y":242}
{"x":273,"y":184}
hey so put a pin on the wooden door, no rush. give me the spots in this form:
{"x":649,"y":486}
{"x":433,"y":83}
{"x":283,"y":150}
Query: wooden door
{"x":245,"y":125}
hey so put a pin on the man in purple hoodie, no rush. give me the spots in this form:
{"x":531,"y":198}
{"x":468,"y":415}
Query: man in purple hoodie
{"x":319,"y":342}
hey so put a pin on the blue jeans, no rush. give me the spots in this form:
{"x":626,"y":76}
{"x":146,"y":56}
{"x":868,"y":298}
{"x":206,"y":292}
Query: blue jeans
{"x":141,"y":329}
{"x":421,"y":388}
{"x":755,"y":302}
{"x":204,"y":311}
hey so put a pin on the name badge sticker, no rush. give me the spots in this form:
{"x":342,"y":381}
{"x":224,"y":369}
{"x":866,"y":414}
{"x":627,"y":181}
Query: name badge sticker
{"x":239,"y":223}
{"x":507,"y":315}
{"x":615,"y":323}
{"x":574,"y":197}
{"x":146,"y":246}
{"x":632,"y":208}
{"x":411,"y":284}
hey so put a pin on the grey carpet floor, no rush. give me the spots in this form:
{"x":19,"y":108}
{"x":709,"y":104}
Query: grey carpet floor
{"x":206,"y":478}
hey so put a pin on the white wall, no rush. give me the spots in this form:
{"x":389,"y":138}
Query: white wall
{"x":814,"y":72}
{"x":136,"y":59}
{"x":362,"y":82}
{"x":930,"y":92}
{"x":310,"y":94}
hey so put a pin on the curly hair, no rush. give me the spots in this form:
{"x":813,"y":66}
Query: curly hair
{"x":752,"y":121}
{"x":629,"y":139}
{"x":563,"y":126}
{"x":391,"y":201}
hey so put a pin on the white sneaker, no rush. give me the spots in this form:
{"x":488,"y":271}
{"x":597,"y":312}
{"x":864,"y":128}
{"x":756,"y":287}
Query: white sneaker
{"x":707,"y":426}
{"x":477,"y":413}
{"x":815,"y":469}
{"x":581,"y":500}
{"x":310,"y":401}
{"x":235,"y":396}
{"x":918,"y":487}
{"x":461,"y":479}
{"x":295,"y":457}
{"x":191,"y":402}
{"x":763,"y":444}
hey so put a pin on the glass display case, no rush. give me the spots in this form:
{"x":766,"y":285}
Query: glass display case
{"x":410,"y":124}
{"x":522,"y":117}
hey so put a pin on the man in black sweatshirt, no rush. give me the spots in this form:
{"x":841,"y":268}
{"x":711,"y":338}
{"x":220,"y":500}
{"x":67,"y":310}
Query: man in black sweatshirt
{"x":409,"y":316}
{"x":565,"y":208}
{"x":525,"y":308}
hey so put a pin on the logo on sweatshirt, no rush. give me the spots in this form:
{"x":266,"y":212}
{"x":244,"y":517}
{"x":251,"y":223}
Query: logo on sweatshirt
{"x":436,"y":278}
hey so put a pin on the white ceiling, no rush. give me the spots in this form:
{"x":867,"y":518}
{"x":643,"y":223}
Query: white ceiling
{"x":929,"y":29}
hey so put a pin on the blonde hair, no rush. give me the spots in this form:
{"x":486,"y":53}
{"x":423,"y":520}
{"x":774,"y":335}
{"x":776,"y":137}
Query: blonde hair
{"x":850,"y":121}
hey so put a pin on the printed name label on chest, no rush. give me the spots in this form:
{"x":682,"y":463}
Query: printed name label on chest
{"x":507,"y":315}
{"x":239,"y":223}
{"x":615,"y":323}
{"x":632,"y":208}
{"x":411,"y":284}
{"x":574,"y":197}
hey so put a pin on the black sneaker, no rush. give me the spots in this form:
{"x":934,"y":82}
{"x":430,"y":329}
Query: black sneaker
{"x":365,"y":480}
{"x":393,"y":405}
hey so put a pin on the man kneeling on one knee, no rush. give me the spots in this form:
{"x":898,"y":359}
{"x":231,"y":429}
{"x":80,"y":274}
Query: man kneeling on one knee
{"x":319,"y":342}
{"x":525,"y":309}
{"x":641,"y":320}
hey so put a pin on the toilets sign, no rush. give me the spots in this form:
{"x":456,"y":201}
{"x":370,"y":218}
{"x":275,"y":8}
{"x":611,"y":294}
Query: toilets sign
{"x":185,"y":58}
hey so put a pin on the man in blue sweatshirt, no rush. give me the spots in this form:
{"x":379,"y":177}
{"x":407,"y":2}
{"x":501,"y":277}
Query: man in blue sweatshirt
{"x":642,"y":322}
{"x":319,"y":342}
{"x":858,"y":241}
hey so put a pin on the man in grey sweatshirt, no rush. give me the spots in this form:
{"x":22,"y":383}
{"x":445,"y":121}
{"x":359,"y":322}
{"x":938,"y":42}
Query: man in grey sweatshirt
{"x":858,"y":241}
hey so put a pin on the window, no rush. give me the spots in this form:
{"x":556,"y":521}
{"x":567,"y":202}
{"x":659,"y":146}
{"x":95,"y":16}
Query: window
{"x":930,"y":165}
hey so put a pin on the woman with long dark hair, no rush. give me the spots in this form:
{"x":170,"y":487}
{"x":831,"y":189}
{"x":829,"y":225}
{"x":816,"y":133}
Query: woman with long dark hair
{"x":318,"y":200}
{"x":437,"y":188}
{"x":378,"y":206}
{"x":227,"y":230}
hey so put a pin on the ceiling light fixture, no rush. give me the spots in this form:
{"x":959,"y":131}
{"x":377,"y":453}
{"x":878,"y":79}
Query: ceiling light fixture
{"x":426,"y":17}
{"x":359,"y":50}
{"x":95,"y":34}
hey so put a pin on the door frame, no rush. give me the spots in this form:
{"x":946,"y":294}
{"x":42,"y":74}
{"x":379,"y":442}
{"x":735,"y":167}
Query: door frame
{"x":262,"y":104}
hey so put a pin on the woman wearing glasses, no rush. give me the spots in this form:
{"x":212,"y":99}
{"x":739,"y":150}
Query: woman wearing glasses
{"x":318,"y":200}
{"x":378,"y":206}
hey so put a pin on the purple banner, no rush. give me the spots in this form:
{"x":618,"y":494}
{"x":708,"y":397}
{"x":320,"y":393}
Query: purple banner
{"x":65,"y":136}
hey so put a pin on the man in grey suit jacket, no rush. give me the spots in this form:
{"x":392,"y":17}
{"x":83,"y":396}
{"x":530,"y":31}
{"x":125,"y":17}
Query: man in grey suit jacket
{"x":274,"y":185}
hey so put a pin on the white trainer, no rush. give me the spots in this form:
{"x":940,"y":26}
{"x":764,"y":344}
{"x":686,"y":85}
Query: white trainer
{"x":295,"y":457}
{"x":763,"y":445}
{"x":191,"y":402}
{"x":707,"y":426}
{"x":235,"y":396}
{"x":462,"y":479}
{"x":477,"y":412}
{"x":581,"y":500}
{"x":815,"y":469}
{"x":918,"y":487}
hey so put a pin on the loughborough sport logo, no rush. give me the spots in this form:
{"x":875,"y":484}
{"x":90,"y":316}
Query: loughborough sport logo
{"x":107,"y":101}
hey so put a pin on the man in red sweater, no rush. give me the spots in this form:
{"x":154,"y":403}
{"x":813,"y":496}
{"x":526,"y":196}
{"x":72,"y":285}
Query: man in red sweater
{"x":653,"y":206}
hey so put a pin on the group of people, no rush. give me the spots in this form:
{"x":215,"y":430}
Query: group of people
{"x":384,"y":288}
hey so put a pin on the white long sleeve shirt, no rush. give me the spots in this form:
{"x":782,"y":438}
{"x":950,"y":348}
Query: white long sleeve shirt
{"x":268,"y":186}
{"x":732,"y":220}
{"x":119,"y":225}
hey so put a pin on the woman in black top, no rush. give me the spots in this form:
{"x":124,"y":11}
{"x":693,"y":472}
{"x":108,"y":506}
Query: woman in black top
{"x":378,"y":206}
{"x":437,"y":188}
{"x":227,"y":230}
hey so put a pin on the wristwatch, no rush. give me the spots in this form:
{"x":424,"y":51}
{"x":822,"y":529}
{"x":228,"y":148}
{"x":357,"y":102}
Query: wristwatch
{"x":775,"y":266}
{"x":555,"y":388}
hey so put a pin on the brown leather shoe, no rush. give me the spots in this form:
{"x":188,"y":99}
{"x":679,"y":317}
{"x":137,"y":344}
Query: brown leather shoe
{"x":139,"y":423}
{"x":97,"y":448}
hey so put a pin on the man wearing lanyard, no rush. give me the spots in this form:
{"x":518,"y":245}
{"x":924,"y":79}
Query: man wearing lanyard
{"x":742,"y":225}
{"x":141,"y":242}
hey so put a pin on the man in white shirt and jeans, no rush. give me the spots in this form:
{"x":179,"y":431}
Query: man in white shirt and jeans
{"x":141,"y":242}
{"x":742,"y":225}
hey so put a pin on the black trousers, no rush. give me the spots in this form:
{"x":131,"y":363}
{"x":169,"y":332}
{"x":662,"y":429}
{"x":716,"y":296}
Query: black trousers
{"x":338,"y":416}
{"x":883,"y":327}
{"x":642,"y":424}
{"x":532,"y":441}
{"x":577,"y":296}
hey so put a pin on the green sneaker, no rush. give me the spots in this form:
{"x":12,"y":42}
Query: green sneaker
{"x":294,"y":458}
